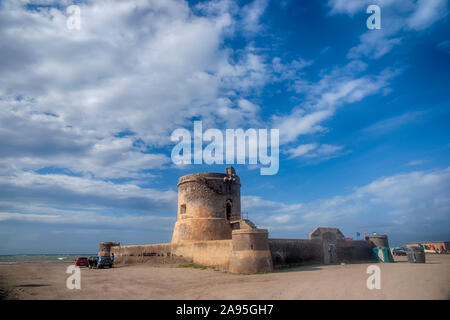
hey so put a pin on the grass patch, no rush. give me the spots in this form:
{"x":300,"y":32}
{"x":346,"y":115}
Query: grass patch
{"x":194,"y":266}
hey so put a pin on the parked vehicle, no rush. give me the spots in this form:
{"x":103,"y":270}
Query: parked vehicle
{"x":92,"y":262}
{"x":416,"y":255}
{"x":400,"y":251}
{"x":82,"y":262}
{"x":104,"y":261}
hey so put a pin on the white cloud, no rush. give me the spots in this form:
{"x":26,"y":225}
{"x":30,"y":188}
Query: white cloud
{"x":300,"y":123}
{"x":315,"y":151}
{"x":409,"y":205}
{"x":426,"y":13}
{"x":32,"y":140}
{"x":354,"y":6}
{"x":94,"y":219}
{"x":83,"y":186}
{"x":32,"y":193}
{"x":301,"y":150}
{"x":444,"y":46}
{"x":86,"y":115}
{"x":279,"y":213}
{"x":417,"y":162}
{"x":36,"y":200}
{"x":139,"y":67}
{"x":398,"y":19}
{"x":291,"y":70}
{"x":28,"y":217}
{"x":386,"y":125}
{"x":339,"y":87}
{"x":118,"y":73}
{"x":374,"y":44}
{"x":251,"y":15}
{"x":326,"y":151}
{"x":413,"y":205}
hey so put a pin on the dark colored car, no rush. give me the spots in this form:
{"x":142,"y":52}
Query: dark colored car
{"x":401,"y":251}
{"x":104,"y":261}
{"x":92,"y":262}
{"x":82,"y":262}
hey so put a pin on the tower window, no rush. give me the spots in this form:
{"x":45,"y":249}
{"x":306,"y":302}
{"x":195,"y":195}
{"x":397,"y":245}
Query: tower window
{"x":229,"y":206}
{"x":183,"y":209}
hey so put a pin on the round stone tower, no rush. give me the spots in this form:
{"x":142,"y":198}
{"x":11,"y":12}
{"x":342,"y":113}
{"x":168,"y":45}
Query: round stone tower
{"x":207,"y":203}
{"x":105,"y":248}
{"x":250,"y":252}
{"x":378,"y":240}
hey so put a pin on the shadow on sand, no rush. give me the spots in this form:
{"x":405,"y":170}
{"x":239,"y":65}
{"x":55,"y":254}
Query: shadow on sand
{"x":32,"y":285}
{"x":295,"y":268}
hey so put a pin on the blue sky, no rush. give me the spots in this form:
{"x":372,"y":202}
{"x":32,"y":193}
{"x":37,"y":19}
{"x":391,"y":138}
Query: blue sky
{"x":86,"y":116}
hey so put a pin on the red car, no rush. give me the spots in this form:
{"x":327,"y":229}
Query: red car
{"x":82,"y":262}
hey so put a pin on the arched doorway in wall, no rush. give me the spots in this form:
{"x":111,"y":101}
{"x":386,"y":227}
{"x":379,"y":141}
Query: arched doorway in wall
{"x":330,"y":254}
{"x":228,"y":209}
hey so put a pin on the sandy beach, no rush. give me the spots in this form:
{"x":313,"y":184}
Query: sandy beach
{"x":400,"y":280}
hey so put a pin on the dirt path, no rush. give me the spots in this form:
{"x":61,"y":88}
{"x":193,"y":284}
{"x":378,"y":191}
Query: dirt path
{"x":400,"y":280}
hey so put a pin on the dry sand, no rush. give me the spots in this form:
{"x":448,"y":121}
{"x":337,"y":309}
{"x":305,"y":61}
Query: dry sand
{"x":401,"y":280}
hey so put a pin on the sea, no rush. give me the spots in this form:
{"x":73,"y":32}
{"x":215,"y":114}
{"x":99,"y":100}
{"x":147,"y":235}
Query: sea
{"x":41,"y":258}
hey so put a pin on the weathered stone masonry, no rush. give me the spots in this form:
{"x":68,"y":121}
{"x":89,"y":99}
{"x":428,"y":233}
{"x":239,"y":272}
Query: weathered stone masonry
{"x":210,"y":231}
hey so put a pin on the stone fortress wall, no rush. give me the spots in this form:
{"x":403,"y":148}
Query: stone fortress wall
{"x":210,"y":231}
